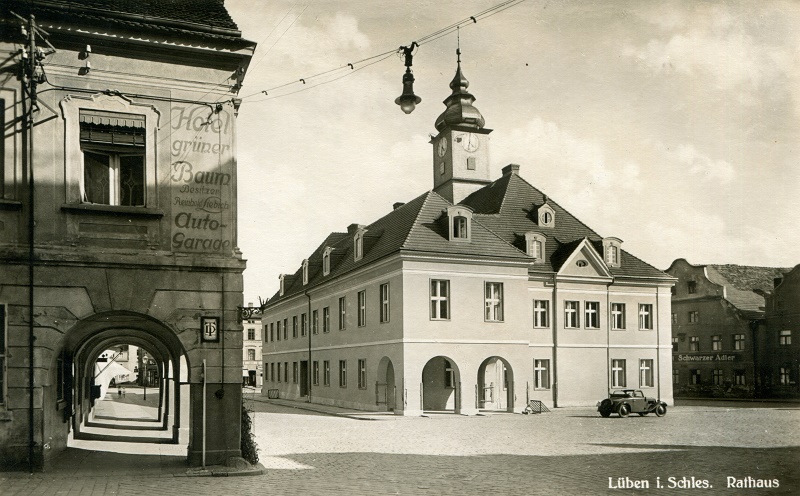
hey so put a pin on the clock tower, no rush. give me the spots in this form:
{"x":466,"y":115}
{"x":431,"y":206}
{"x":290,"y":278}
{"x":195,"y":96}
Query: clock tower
{"x":461,"y":149}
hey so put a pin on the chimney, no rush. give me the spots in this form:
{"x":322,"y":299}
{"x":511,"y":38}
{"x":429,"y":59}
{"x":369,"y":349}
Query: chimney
{"x":511,"y":169}
{"x":397,"y":205}
{"x":352,"y":228}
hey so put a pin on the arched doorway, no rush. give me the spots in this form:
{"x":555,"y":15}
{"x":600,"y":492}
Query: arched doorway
{"x":495,"y":385}
{"x":441,"y":385}
{"x":118,"y":376}
{"x":385,"y":387}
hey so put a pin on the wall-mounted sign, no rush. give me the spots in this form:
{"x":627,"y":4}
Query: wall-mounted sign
{"x":719,"y":357}
{"x":209,"y":329}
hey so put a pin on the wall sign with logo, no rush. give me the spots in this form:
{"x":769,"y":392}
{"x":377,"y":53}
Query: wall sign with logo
{"x":209,"y":329}
{"x":719,"y":357}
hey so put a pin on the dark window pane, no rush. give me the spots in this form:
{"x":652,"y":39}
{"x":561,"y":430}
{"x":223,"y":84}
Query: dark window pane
{"x":95,"y":178}
{"x":131,"y":180}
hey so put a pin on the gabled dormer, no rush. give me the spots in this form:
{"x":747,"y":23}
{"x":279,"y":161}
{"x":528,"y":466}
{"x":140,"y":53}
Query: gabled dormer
{"x":305,"y":272}
{"x":326,"y":260}
{"x":282,"y":278}
{"x":612,"y":251}
{"x":357,"y":231}
{"x":545,"y":215}
{"x":583,"y":263}
{"x":535,"y":245}
{"x":459,"y":223}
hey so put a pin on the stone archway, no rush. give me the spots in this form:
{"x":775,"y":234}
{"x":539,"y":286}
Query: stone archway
{"x":385,"y":386}
{"x":441,"y":381}
{"x":495,"y":385}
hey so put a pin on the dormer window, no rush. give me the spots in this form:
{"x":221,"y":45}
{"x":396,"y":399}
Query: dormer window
{"x":305,"y":272}
{"x":546,"y":216}
{"x":358,"y":245}
{"x":459,"y":223}
{"x":612,"y":248}
{"x":326,"y":261}
{"x":534,"y":245}
{"x":282,"y":279}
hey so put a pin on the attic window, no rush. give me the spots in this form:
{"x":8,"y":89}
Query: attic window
{"x":282,"y":279}
{"x":612,"y":251}
{"x":535,"y":245}
{"x":305,"y":272}
{"x":358,"y":244}
{"x":459,"y":223}
{"x":326,"y":261}
{"x":547,"y":216}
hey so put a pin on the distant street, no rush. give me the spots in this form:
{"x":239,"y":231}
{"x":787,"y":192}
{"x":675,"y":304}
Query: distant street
{"x":570,"y":451}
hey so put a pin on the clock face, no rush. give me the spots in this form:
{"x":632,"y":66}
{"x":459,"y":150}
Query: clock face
{"x":441,"y":147}
{"x":470,"y":142}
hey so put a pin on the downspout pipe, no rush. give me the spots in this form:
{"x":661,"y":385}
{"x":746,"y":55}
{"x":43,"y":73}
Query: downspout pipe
{"x":28,"y":113}
{"x":310,"y":364}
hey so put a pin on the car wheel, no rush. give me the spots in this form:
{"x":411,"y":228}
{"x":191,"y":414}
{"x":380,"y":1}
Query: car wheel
{"x":661,"y":410}
{"x":624,"y":410}
{"x":605,"y":408}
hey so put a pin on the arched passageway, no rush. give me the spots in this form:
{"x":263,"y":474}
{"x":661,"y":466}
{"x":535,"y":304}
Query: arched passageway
{"x":385,"y":387}
{"x":495,"y":385}
{"x":441,"y":385}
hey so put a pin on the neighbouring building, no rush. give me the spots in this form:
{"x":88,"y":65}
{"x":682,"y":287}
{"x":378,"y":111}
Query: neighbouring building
{"x":251,"y":347}
{"x":477,"y":295}
{"x":779,"y":347}
{"x":118,"y":216}
{"x":718,"y":321}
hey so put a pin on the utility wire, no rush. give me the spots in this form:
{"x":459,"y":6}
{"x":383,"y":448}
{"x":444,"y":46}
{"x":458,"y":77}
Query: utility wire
{"x":485,"y":14}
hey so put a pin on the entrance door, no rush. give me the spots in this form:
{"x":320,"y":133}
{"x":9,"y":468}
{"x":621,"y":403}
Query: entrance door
{"x":304,"y":378}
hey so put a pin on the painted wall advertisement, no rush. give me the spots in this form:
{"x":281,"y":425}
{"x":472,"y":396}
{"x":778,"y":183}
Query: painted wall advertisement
{"x":201,"y":179}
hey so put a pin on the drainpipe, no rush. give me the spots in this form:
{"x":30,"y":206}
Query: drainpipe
{"x":28,"y":113}
{"x":555,"y":341}
{"x":204,"y":414}
{"x":310,"y":364}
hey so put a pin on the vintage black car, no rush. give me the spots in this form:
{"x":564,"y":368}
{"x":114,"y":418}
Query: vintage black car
{"x":626,"y":401}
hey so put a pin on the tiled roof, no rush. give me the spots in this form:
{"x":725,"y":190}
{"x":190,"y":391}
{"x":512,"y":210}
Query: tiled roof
{"x":207,"y":19}
{"x":745,"y":285}
{"x":508,"y":207}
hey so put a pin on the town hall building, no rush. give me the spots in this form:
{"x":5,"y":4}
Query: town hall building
{"x":478,"y":295}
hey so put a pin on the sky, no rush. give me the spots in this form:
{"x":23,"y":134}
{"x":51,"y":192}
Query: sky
{"x":674,"y":126}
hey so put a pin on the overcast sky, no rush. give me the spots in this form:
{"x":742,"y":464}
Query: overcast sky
{"x":671,"y":125}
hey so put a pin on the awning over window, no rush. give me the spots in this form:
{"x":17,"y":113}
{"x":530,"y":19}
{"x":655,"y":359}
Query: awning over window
{"x":116,"y":119}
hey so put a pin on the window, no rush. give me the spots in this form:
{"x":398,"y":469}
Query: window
{"x":440,"y":302}
{"x":591,"y":311}
{"x":694,"y":317}
{"x":618,"y":373}
{"x":362,"y":373}
{"x":315,"y":373}
{"x":541,"y":313}
{"x":326,"y":373}
{"x":535,"y":245}
{"x":315,"y":321}
{"x":286,"y":328}
{"x":716,"y":342}
{"x":716,"y":377}
{"x":541,"y":374}
{"x":251,"y":334}
{"x":294,"y":326}
{"x":342,"y":373}
{"x":571,"y":320}
{"x":294,"y":372}
{"x":646,"y":373}
{"x":113,"y":147}
{"x":676,"y":376}
{"x":460,"y":228}
{"x":738,"y":377}
{"x":279,"y":371}
{"x":493,"y":297}
{"x":694,"y":343}
{"x":362,"y":308}
{"x":546,"y":215}
{"x":618,"y":316}
{"x":286,"y":371}
{"x":784,"y":376}
{"x":326,"y":261}
{"x":674,"y":316}
{"x":695,"y":377}
{"x":785,"y":338}
{"x":272,"y":331}
{"x":645,"y":316}
{"x":738,"y":342}
{"x":326,"y":319}
{"x":691,"y":287}
{"x":674,"y":344}
{"x":385,"y":302}
{"x":613,"y":255}
{"x":272,"y":371}
{"x":279,"y":330}
{"x":342,"y":313}
{"x":303,"y":324}
{"x":612,"y":250}
{"x":266,"y":371}
{"x":358,"y":245}
{"x":251,"y":354}
{"x":305,"y":272}
{"x":449,"y":375}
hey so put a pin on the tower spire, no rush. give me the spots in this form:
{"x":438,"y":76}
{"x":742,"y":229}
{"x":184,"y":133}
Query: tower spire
{"x":460,"y":111}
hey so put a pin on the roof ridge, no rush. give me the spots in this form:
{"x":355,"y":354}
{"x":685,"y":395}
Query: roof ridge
{"x":415,"y":223}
